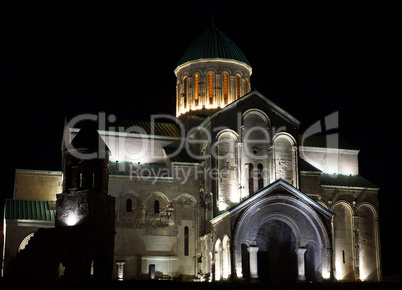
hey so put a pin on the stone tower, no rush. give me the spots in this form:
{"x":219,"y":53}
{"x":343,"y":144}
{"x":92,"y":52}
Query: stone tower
{"x":85,"y":186}
{"x":82,"y":243}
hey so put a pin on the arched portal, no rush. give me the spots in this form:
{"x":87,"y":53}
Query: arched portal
{"x":279,"y":223}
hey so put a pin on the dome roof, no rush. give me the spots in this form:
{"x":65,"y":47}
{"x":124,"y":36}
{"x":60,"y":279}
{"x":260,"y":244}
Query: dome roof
{"x":213,"y":44}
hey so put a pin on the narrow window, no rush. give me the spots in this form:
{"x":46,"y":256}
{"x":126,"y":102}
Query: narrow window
{"x":185,"y":93}
{"x":156,"y":206}
{"x":186,"y":241}
{"x":260,"y":178}
{"x":225,"y":88}
{"x":196,"y":89}
{"x":250,"y":179}
{"x":237,"y":87}
{"x":246,"y":87}
{"x":211,"y":88}
{"x":343,"y":256}
{"x":129,"y":205}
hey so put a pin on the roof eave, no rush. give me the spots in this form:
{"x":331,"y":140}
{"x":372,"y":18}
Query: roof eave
{"x":200,"y":60}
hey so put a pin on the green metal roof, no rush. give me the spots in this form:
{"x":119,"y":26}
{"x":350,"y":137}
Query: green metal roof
{"x":213,"y":44}
{"x":37,"y":210}
{"x":344,"y":180}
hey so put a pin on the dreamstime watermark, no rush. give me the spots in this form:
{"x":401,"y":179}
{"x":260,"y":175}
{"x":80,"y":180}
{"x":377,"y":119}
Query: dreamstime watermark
{"x":143,"y":144}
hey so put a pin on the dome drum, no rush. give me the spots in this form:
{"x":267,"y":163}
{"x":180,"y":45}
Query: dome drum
{"x":212,"y":73}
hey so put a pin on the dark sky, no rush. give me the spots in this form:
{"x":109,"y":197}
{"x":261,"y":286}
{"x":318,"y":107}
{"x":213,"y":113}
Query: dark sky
{"x":63,"y":58}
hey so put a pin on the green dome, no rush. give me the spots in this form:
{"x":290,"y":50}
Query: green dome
{"x":213,"y":44}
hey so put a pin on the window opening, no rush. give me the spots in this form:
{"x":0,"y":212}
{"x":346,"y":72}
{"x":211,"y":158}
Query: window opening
{"x":250,"y":179}
{"x":156,"y":206}
{"x":186,"y":241}
{"x":211,"y":88}
{"x":237,"y":87}
{"x":196,"y":89}
{"x":185,"y":92}
{"x":225,"y":88}
{"x":260,"y":178}
{"x":129,"y":205}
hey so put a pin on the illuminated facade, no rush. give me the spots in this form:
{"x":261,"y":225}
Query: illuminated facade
{"x":236,"y":192}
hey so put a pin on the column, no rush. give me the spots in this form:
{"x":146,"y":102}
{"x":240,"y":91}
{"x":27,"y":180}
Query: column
{"x":120,"y":270}
{"x":253,"y":250}
{"x":300,"y":264}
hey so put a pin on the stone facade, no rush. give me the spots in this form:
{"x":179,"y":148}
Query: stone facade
{"x":235,"y":192}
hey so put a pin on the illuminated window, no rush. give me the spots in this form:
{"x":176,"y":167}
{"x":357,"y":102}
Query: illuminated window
{"x":129,"y":205}
{"x":196,"y":89}
{"x":250,"y":179}
{"x":185,"y":93}
{"x":186,"y":241}
{"x":260,"y":178}
{"x":156,"y":206}
{"x":211,"y":88}
{"x":237,"y":87}
{"x":225,"y":88}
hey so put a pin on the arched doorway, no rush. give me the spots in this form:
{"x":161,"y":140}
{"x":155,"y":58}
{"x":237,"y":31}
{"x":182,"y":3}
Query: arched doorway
{"x":277,"y":258}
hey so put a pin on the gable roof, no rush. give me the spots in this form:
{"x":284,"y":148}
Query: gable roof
{"x":270,"y":103}
{"x":280,"y":183}
{"x":87,"y":140}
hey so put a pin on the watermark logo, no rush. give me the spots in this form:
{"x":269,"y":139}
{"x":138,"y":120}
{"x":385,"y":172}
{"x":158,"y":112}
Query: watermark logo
{"x":144,"y":144}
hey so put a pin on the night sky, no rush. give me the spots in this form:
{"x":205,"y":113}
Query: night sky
{"x":312,"y":58}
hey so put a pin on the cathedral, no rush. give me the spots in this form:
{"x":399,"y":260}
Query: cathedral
{"x":228,"y":189}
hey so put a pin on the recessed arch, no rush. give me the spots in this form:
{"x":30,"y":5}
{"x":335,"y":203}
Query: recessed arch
{"x":343,"y":240}
{"x":286,"y":209}
{"x":259,"y":113}
{"x":185,"y":196}
{"x":369,"y":242}
{"x":25,"y":242}
{"x":226,"y":257}
{"x":218,"y":259}
{"x":159,"y":195}
{"x":227,"y":131}
{"x":285,"y":135}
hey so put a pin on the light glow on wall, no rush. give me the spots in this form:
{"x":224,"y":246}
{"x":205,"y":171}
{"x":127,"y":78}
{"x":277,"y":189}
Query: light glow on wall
{"x":326,"y":274}
{"x":339,"y":275}
{"x":72,"y":219}
{"x":364,"y":272}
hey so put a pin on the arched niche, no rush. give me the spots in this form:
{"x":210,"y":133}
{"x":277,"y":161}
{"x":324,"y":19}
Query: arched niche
{"x":285,"y":158}
{"x":228,"y":192}
{"x":369,"y":262}
{"x":343,"y":241}
{"x":226,"y":272}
